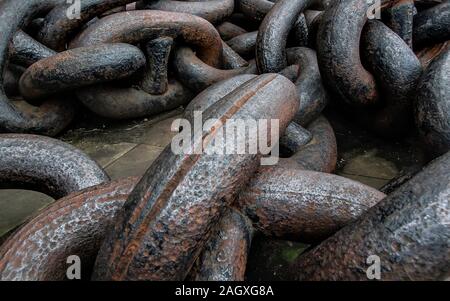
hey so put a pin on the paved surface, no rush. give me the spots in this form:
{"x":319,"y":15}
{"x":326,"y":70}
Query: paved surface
{"x":128,"y":148}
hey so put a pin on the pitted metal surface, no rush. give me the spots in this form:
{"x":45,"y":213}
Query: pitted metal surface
{"x":74,"y":225}
{"x":145,"y":242}
{"x":407,"y":230}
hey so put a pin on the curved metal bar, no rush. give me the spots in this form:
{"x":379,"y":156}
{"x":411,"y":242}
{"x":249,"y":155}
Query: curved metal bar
{"x":166,"y":208}
{"x":397,"y":70}
{"x":432,"y":26}
{"x":25,"y":51}
{"x":408,"y":231}
{"x":303,"y":205}
{"x":310,"y":88}
{"x":136,"y":26}
{"x":338,"y":52}
{"x":80,"y":67}
{"x":273,"y":33}
{"x":197,"y":75}
{"x":46,"y":165}
{"x":215,"y":11}
{"x":432,"y":105}
{"x":74,"y":225}
{"x":124,"y":103}
{"x":52,"y":116}
{"x":57,"y":29}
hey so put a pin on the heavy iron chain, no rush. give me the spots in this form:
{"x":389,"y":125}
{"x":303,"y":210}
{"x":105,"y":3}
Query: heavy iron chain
{"x":193,"y":216}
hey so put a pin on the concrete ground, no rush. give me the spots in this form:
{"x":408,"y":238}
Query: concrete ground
{"x":128,"y":148}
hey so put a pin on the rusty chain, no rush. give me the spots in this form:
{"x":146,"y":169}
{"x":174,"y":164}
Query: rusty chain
{"x":193,"y":216}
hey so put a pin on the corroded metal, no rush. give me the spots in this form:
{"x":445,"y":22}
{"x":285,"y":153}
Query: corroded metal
{"x":52,"y":116}
{"x":400,"y":19}
{"x":57,"y":29}
{"x":244,"y":44}
{"x":295,"y":137}
{"x":128,"y":27}
{"x":74,"y":225}
{"x":228,"y":30}
{"x":303,"y":205}
{"x":156,"y":77}
{"x":46,"y":165}
{"x":115,"y":102}
{"x":311,"y":91}
{"x":80,"y":67}
{"x":197,"y":75}
{"x":225,"y":255}
{"x":397,"y":70}
{"x":432,"y":26}
{"x":318,"y":155}
{"x":138,"y":26}
{"x":162,"y":228}
{"x":338,"y":51}
{"x":214,"y":11}
{"x":432,"y":106}
{"x":273,"y":33}
{"x":25,"y":51}
{"x":408,"y":231}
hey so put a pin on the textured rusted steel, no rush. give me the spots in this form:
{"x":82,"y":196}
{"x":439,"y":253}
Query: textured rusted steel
{"x":74,"y":225}
{"x":244,"y":44}
{"x":318,"y":155}
{"x":213,"y":94}
{"x":58,"y":29}
{"x":11,"y":77}
{"x":400,"y":19}
{"x":225,"y":255}
{"x":302,"y":205}
{"x":300,"y":31}
{"x":254,"y":9}
{"x":295,"y":137}
{"x":397,"y":70}
{"x":428,"y":54}
{"x":402,"y":178}
{"x":338,"y":51}
{"x":136,"y":26}
{"x":231,"y":59}
{"x":241,"y":20}
{"x":228,"y":30}
{"x":273,"y":33}
{"x":52,"y":116}
{"x":215,"y":11}
{"x":166,"y":221}
{"x":313,"y":19}
{"x":139,"y":26}
{"x":311,"y":91}
{"x":291,"y":72}
{"x":432,"y":105}
{"x":46,"y":165}
{"x":432,"y":26}
{"x":408,"y":231}
{"x":123,"y":103}
{"x":197,"y":75}
{"x":258,"y":9}
{"x":25,"y":51}
{"x":156,"y":77}
{"x":80,"y":67}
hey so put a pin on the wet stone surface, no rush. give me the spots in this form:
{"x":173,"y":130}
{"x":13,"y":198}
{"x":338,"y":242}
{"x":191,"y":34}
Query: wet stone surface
{"x":128,"y":148}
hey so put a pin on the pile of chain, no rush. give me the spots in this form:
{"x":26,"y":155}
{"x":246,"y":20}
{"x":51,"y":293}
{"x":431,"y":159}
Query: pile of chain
{"x":193,"y":216}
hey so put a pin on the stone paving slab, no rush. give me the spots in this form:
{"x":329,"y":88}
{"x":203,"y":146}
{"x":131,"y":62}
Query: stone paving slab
{"x":135,"y":162}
